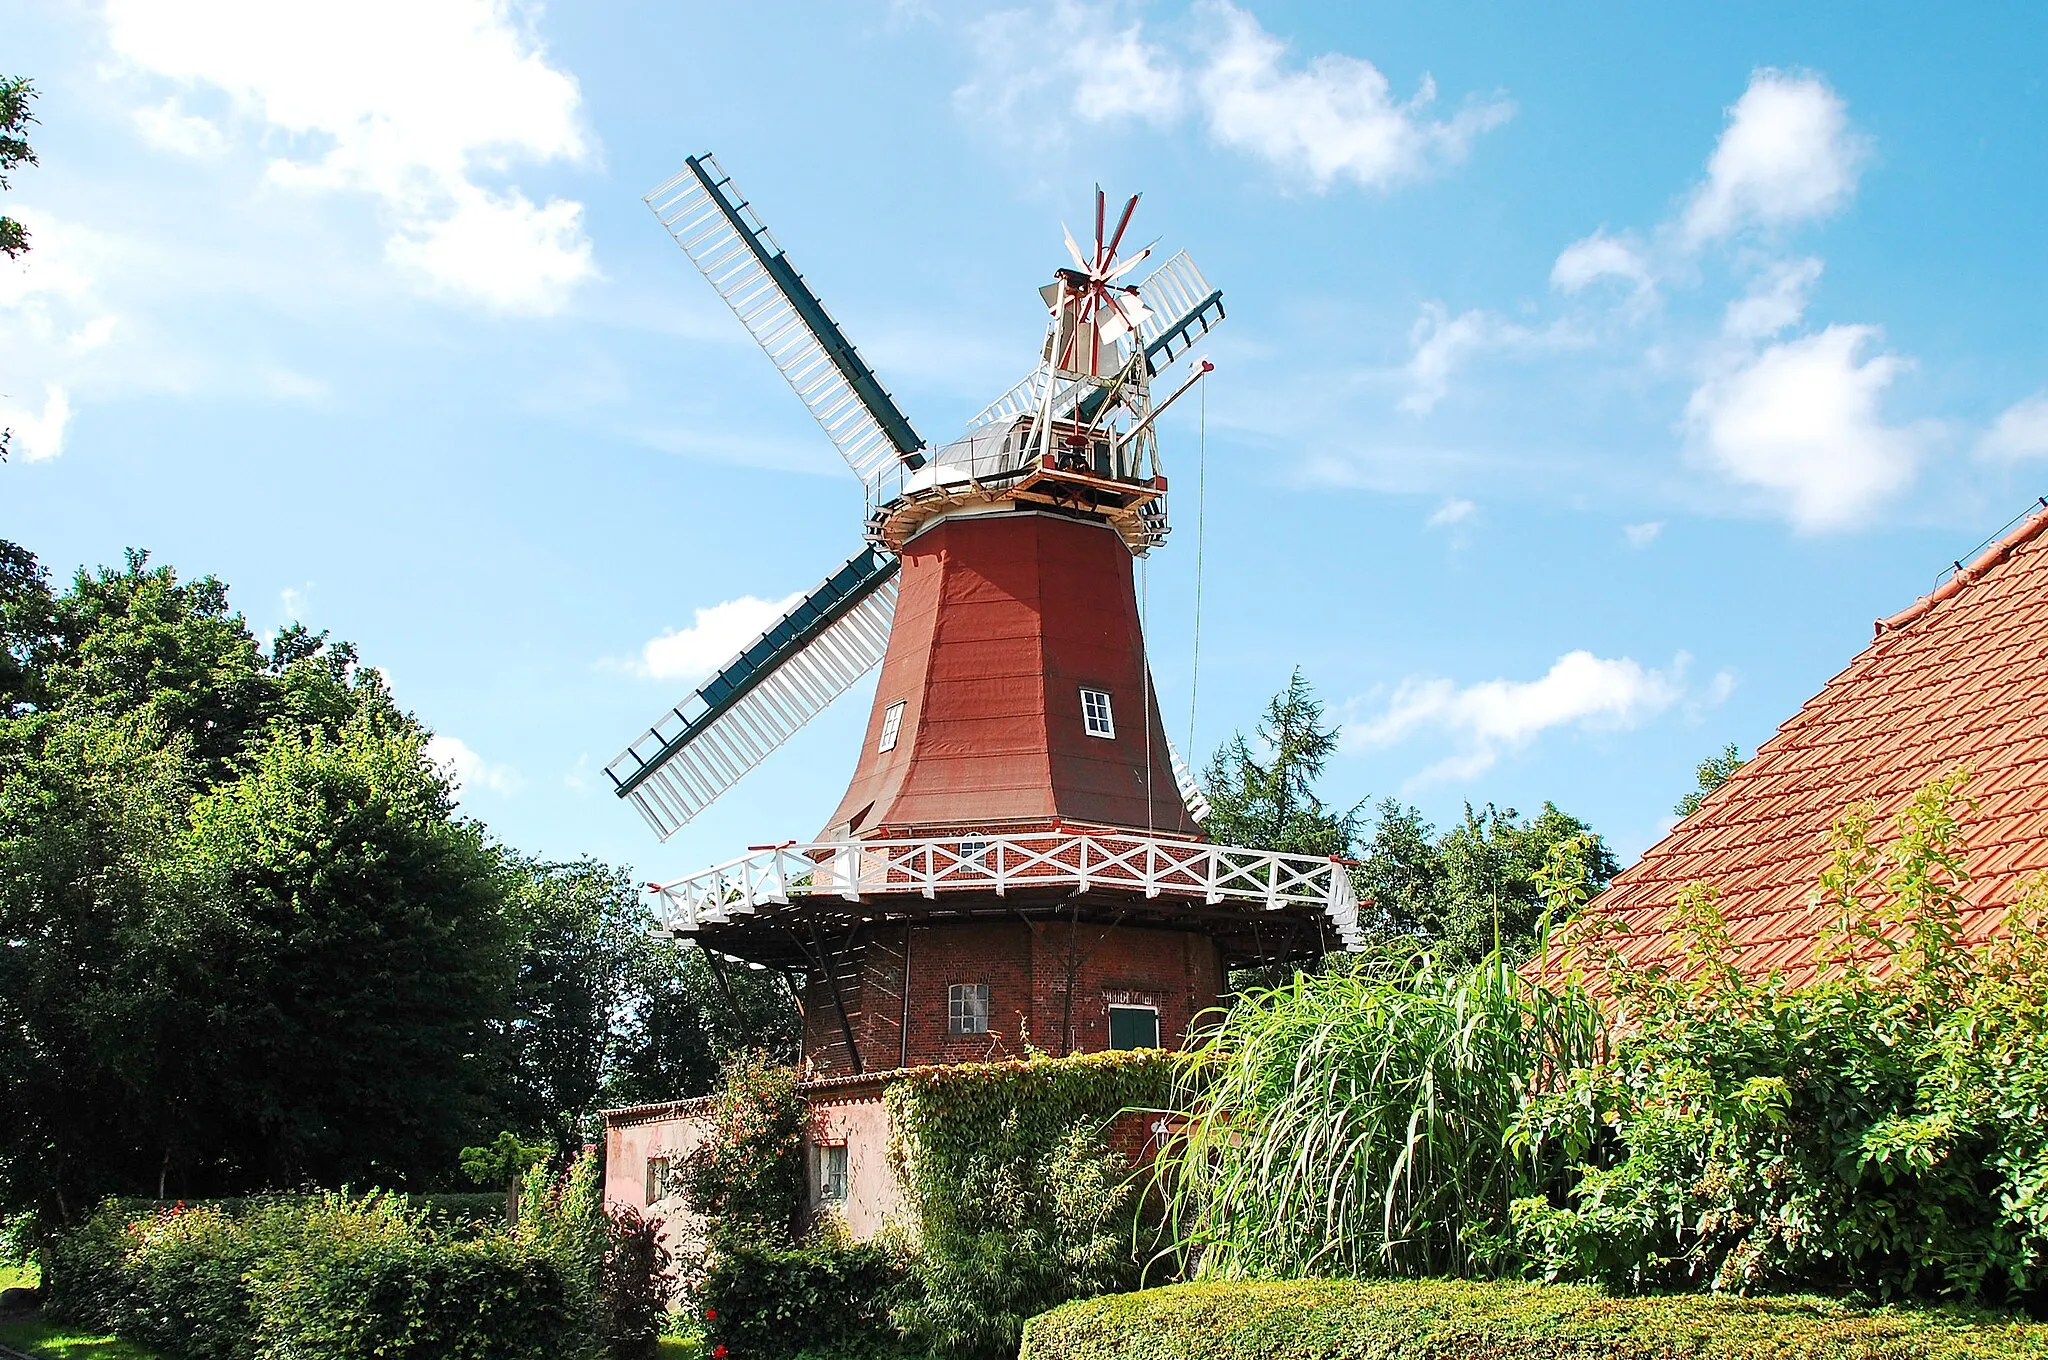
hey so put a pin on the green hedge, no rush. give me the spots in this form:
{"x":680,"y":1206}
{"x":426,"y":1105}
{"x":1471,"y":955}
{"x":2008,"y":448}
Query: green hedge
{"x":1464,"y":1320}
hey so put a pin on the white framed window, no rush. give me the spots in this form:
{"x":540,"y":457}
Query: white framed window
{"x":1096,"y":718}
{"x":832,"y":1173}
{"x":892,"y":723}
{"x":967,"y":1008}
{"x":974,"y":854}
{"x":657,"y":1180}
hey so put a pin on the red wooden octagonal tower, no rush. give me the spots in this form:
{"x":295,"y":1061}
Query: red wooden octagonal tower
{"x":1018,"y":857}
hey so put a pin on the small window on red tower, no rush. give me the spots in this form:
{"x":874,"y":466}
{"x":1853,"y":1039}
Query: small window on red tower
{"x":892,"y":723}
{"x":1096,"y":719}
{"x":967,"y":1008}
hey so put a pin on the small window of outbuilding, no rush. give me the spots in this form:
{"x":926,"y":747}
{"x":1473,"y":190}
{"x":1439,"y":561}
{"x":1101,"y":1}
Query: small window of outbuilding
{"x":832,"y":1173}
{"x":892,"y":723}
{"x":1096,"y":718}
{"x":967,"y":1008}
{"x":657,"y":1180}
{"x":1133,"y":1027}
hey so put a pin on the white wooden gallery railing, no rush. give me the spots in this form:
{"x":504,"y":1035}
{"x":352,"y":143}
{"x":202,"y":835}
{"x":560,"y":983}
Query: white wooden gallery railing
{"x":851,"y":870}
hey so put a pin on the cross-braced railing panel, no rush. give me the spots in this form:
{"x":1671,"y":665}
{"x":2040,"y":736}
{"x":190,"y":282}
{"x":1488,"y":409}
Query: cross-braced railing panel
{"x":855,"y":870}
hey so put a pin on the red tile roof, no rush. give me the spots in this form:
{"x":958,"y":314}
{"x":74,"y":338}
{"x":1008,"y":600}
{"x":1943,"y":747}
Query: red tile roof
{"x":1959,"y":678}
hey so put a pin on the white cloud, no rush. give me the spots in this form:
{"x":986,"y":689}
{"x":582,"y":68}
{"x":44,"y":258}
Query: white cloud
{"x":468,"y":770}
{"x":409,"y":101}
{"x":1802,"y":419}
{"x":500,"y":249}
{"x":1787,"y":155}
{"x":1451,"y":512}
{"x":1333,"y":118}
{"x":1643,"y":535}
{"x":1775,"y":300}
{"x":170,"y":128}
{"x":36,"y":435}
{"x":2021,"y":431}
{"x":1600,"y":256}
{"x":1580,"y":690}
{"x":1440,"y":342}
{"x":713,"y":638}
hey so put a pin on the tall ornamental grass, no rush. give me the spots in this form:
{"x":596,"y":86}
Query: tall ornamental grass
{"x":1357,"y":1125}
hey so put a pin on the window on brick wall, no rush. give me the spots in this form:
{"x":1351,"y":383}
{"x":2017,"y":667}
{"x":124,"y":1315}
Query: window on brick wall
{"x":832,"y":1173}
{"x":1096,"y":719}
{"x":657,"y":1180}
{"x":967,"y":1008}
{"x":1133,"y":1027}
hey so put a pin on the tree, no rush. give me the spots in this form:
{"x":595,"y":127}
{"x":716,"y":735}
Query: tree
{"x":579,"y":927}
{"x":1262,"y":793}
{"x":16,"y":96}
{"x":344,"y":940}
{"x":1713,"y":772}
{"x":92,"y":815}
{"x":681,"y":1026}
{"x":1491,"y":889}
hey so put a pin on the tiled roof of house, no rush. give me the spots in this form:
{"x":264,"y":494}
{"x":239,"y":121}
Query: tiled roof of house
{"x":1958,"y":679}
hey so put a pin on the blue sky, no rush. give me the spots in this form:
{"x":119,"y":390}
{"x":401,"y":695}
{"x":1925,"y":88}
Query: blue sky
{"x":1591,"y":379}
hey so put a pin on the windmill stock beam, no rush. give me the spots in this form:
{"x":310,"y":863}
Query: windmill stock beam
{"x":837,"y":347}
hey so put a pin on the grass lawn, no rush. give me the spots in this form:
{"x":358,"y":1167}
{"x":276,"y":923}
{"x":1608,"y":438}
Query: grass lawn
{"x":18,"y":1277}
{"x":64,"y":1343}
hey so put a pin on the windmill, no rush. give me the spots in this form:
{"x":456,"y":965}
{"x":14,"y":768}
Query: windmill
{"x":997,"y":782}
{"x":1085,"y":406}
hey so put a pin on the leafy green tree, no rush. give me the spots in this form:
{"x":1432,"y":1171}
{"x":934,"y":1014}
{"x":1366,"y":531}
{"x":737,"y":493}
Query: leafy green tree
{"x":27,"y":619}
{"x":16,"y":96}
{"x":1262,"y":791}
{"x":1713,"y":772}
{"x":345,"y":935}
{"x":1493,"y":866}
{"x":91,"y":813}
{"x":579,"y":926}
{"x":681,"y":1027}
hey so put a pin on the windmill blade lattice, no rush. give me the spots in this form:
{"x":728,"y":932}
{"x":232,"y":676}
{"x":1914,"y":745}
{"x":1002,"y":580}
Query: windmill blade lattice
{"x":783,"y":679}
{"x":717,"y":229}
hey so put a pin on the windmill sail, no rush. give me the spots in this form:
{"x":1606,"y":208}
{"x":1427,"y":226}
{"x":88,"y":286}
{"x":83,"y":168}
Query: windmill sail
{"x":717,"y":229}
{"x":784,"y":678}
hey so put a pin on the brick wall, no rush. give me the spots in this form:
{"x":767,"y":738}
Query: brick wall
{"x":1050,"y":984}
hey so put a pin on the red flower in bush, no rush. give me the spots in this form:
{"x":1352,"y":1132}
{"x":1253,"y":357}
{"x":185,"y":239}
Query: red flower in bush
{"x":710,"y":1314}
{"x":718,"y":1351}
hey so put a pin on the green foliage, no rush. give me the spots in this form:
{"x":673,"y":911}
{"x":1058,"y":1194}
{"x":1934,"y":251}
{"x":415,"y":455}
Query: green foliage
{"x":1713,"y":772}
{"x":1464,"y":1320}
{"x":504,"y":1162}
{"x":679,"y":1028}
{"x":343,"y":956}
{"x":1262,"y":791}
{"x":1480,"y":884}
{"x":320,"y":1278}
{"x":824,"y":1297}
{"x":1016,"y":1202}
{"x":16,"y":96}
{"x":1876,"y":1130}
{"x":747,"y":1179}
{"x":1352,"y":1124}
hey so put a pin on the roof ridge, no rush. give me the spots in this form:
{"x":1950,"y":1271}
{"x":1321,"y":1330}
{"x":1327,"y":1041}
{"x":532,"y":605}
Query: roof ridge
{"x":2028,"y":528}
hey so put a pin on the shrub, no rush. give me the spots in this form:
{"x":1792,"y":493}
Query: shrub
{"x":1876,"y":1130}
{"x":417,"y":1297}
{"x":185,"y":1291}
{"x":1017,"y":1203}
{"x":748,"y":1180}
{"x":634,"y":1286}
{"x":1352,"y":1124}
{"x":827,"y":1297}
{"x":85,"y":1269}
{"x":1466,"y":1320}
